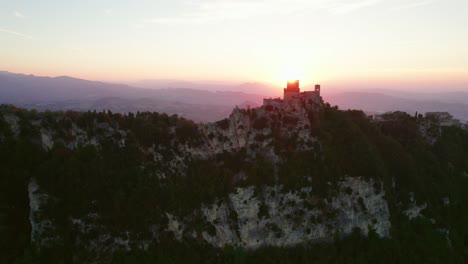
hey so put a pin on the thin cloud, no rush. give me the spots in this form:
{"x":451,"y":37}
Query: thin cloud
{"x":18,"y":14}
{"x":15,"y":33}
{"x":342,"y":8}
{"x":108,"y":12}
{"x":210,"y":11}
{"x":415,"y":5}
{"x":200,"y":12}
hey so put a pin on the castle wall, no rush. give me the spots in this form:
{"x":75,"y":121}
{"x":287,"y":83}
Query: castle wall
{"x":292,"y":93}
{"x":288,"y":95}
{"x":292,"y":97}
{"x":304,"y":96}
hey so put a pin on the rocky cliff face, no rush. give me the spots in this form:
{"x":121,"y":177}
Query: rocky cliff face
{"x":42,"y":228}
{"x":251,"y":216}
{"x":255,"y":128}
{"x":271,"y":217}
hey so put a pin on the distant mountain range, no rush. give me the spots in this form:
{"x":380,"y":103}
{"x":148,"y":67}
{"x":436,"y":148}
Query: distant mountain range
{"x":373,"y":102}
{"x":248,"y":87}
{"x":67,"y":93}
{"x":202,"y":101}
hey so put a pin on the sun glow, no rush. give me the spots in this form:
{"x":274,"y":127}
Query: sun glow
{"x":291,"y":66}
{"x":292,"y":74}
{"x":292,"y":77}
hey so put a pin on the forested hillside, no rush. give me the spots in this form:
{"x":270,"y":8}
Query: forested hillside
{"x":299,"y":183}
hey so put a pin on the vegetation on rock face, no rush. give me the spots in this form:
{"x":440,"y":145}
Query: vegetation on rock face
{"x":130,"y":189}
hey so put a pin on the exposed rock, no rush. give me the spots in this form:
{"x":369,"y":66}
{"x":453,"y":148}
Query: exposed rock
{"x":275,"y":218}
{"x":364,"y":207}
{"x":414,"y":210}
{"x":42,"y":228}
{"x":46,"y":139}
{"x":238,"y":131}
{"x":174,"y":226}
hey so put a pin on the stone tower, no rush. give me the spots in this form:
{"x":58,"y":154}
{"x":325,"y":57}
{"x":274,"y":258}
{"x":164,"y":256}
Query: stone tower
{"x":317,"y":89}
{"x":291,"y":90}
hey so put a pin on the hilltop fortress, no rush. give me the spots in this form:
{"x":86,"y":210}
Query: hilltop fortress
{"x":293,"y":94}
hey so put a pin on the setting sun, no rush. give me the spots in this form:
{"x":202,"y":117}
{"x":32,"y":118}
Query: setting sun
{"x":292,"y":65}
{"x":291,"y":75}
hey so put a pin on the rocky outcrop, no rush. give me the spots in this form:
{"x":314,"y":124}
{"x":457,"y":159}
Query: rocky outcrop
{"x":43,"y":230}
{"x":253,"y":218}
{"x":361,"y":205}
{"x":256,"y":129}
{"x":414,"y":210}
{"x":96,"y":237}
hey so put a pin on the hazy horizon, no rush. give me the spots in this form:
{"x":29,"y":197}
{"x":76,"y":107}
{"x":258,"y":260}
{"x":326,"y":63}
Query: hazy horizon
{"x":271,"y":89}
{"x":211,"y":101}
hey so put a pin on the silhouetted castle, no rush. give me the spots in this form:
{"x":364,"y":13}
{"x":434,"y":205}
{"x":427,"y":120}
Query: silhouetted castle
{"x":292,"y":92}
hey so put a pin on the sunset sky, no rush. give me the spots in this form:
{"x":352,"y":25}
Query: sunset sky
{"x":237,"y":40}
